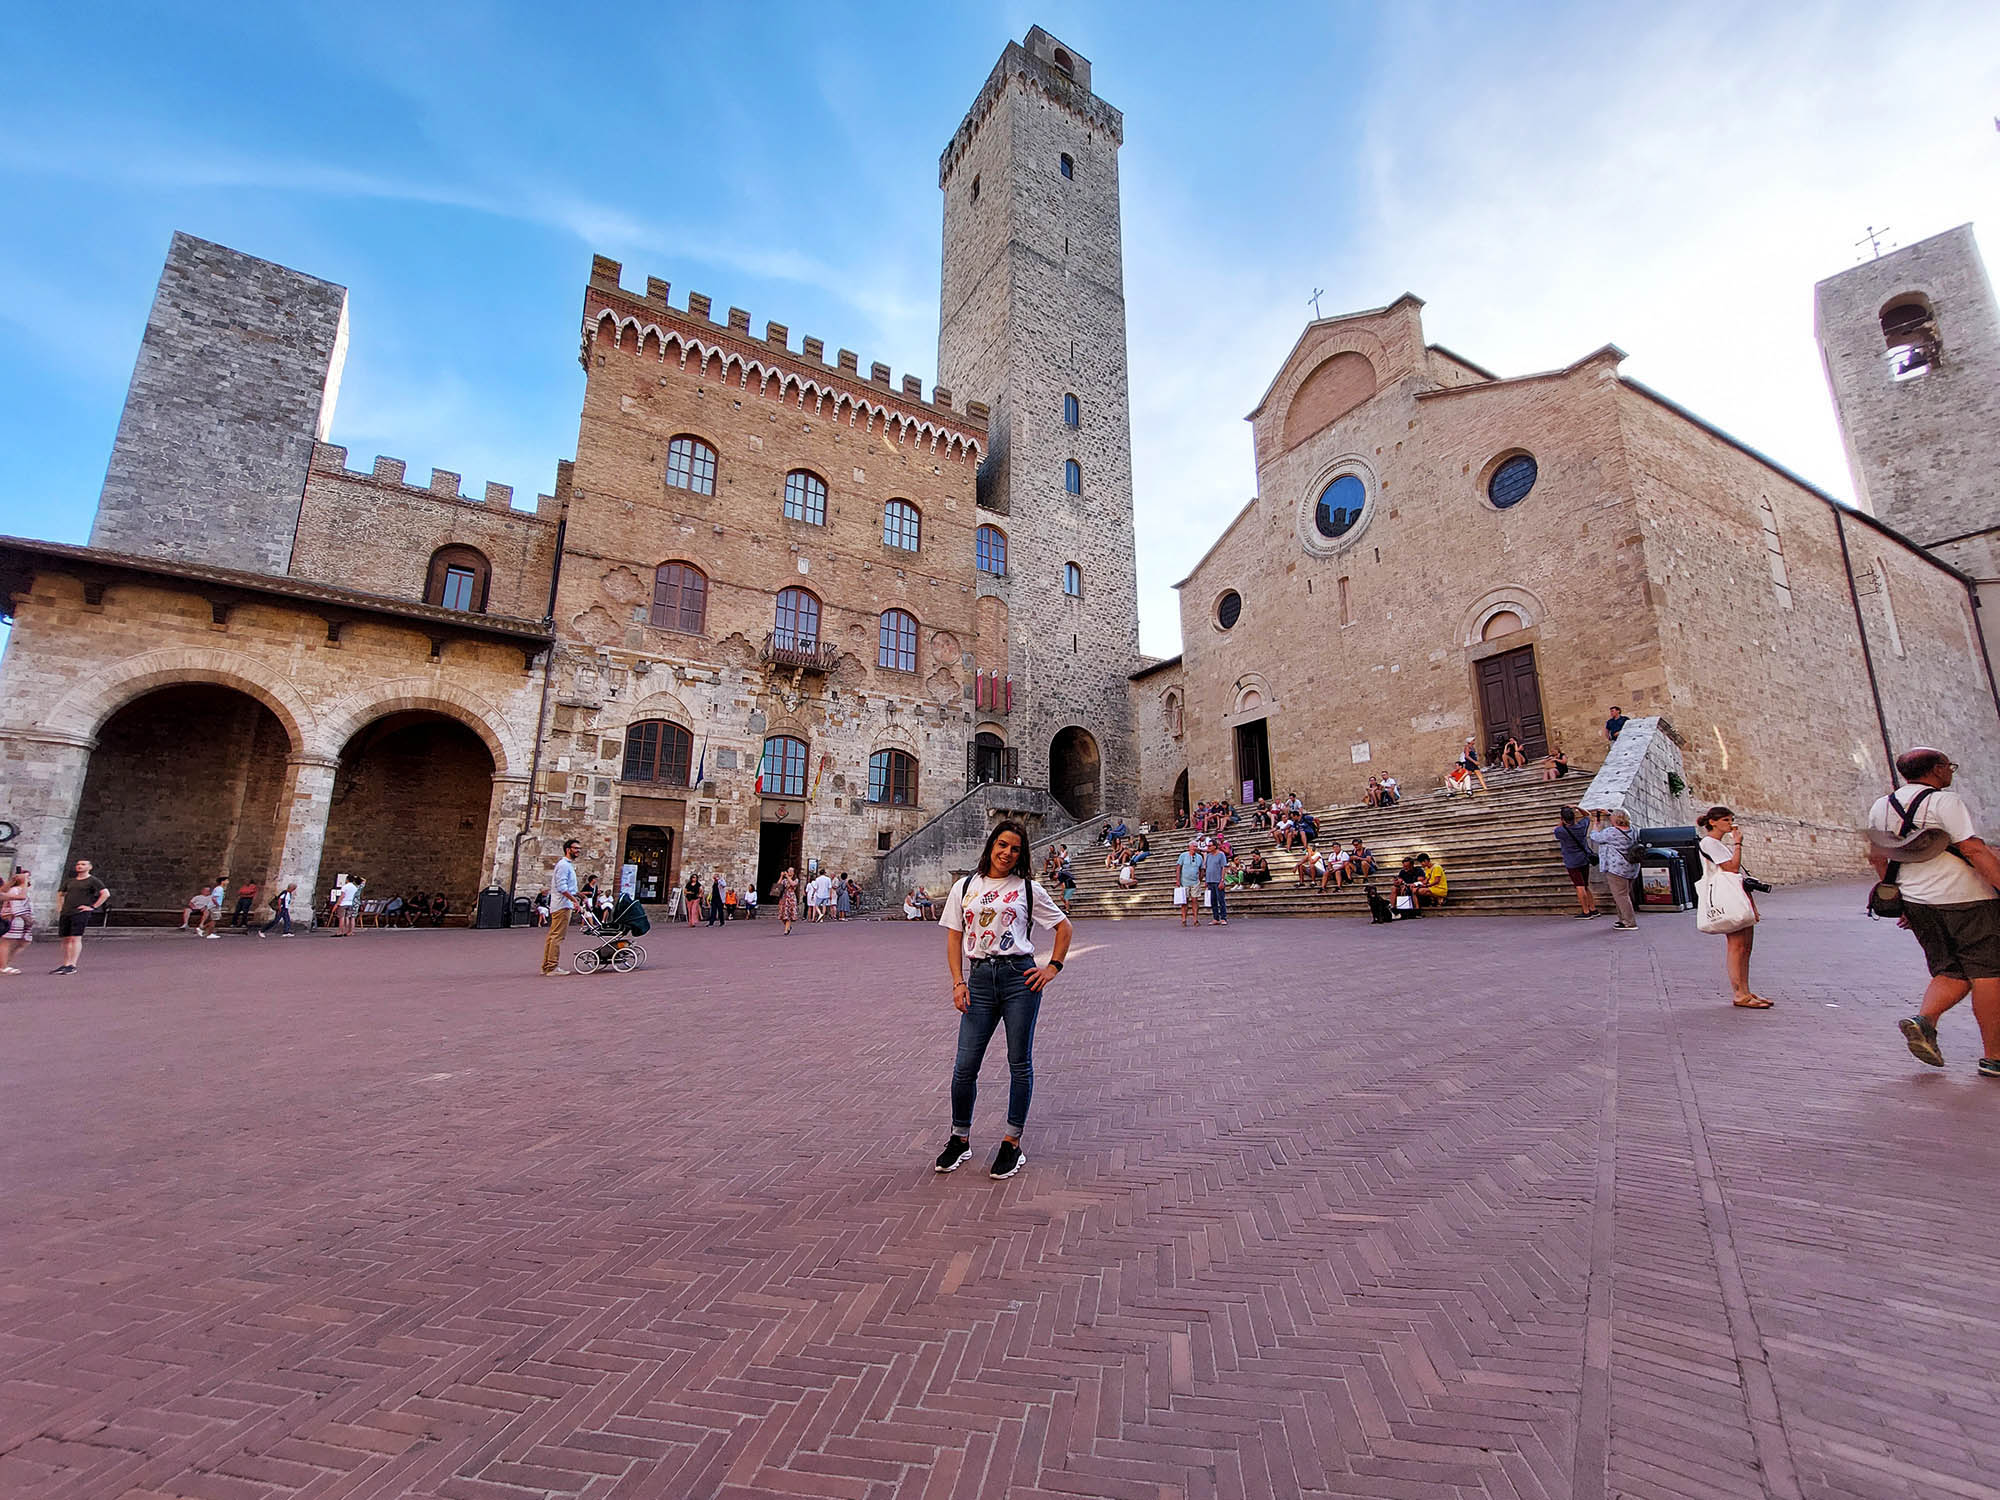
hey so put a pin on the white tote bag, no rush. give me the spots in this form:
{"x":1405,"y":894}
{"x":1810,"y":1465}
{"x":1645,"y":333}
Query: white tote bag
{"x":1180,"y":895}
{"x":1720,"y":902}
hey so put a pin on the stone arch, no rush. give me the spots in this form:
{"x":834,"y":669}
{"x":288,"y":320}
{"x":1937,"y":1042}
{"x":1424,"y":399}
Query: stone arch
{"x":1509,"y":599}
{"x":84,"y":710}
{"x":1337,"y":385}
{"x":1076,"y":772}
{"x":361,"y":708}
{"x":660,"y":703}
{"x":1253,"y":695}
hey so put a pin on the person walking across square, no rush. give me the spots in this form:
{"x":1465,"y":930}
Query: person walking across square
{"x":562,"y":901}
{"x":281,"y":912}
{"x":17,"y":919}
{"x":991,"y":919}
{"x":1951,"y":903}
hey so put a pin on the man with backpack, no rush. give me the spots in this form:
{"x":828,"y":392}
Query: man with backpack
{"x":1944,"y":882}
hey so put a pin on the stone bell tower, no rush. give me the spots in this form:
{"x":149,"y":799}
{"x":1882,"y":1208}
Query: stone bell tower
{"x":1033,"y":323}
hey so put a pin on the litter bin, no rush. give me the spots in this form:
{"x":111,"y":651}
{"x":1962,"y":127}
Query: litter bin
{"x":523,"y":912}
{"x":1669,"y":861}
{"x":492,"y":908}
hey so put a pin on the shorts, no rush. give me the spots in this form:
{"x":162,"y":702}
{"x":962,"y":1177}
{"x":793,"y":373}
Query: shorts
{"x":20,"y":930}
{"x":1579,"y":875}
{"x":72,"y":924}
{"x":1959,"y":942}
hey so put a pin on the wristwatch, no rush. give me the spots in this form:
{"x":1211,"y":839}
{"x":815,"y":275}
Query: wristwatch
{"x":1056,"y":964}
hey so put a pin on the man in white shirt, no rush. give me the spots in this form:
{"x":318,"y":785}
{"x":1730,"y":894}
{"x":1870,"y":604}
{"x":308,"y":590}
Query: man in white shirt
{"x":562,"y":901}
{"x":1951,"y":902}
{"x":819,"y":896}
{"x":350,"y":905}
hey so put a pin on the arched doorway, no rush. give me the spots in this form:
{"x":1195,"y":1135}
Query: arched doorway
{"x":649,"y":849}
{"x":410,"y":807}
{"x":186,"y":784}
{"x":1181,"y":803}
{"x":989,"y":758}
{"x":1074,"y":772}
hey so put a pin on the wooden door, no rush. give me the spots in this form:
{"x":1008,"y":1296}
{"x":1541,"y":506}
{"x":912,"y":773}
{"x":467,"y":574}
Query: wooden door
{"x":1510,"y":702}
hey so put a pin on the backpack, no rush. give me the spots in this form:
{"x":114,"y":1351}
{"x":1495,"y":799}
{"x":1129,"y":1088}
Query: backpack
{"x":1885,"y":897}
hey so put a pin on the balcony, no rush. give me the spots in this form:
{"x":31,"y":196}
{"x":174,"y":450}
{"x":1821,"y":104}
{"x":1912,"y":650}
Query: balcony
{"x":787,"y":648}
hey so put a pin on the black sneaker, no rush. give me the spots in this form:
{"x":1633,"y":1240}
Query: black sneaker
{"x":64,"y":969}
{"x":954,"y":1154}
{"x":1008,"y":1160}
{"x":1989,"y":1067}
{"x":1922,"y":1037}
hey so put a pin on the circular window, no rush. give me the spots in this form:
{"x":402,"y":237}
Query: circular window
{"x":1229,"y":609}
{"x":1512,"y":481}
{"x":1340,"y":506}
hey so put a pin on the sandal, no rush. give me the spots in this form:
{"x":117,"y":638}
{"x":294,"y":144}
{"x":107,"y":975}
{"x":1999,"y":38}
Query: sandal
{"x":1752,"y":1002}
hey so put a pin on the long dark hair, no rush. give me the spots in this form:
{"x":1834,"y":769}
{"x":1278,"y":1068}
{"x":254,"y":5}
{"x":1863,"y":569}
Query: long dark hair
{"x":1005,"y":825}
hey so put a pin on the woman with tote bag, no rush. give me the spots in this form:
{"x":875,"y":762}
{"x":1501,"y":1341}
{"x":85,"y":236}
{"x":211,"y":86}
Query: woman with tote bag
{"x":1721,"y":903}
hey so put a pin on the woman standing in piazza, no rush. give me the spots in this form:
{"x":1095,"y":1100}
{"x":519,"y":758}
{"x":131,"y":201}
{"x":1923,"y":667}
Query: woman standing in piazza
{"x":788,"y":899}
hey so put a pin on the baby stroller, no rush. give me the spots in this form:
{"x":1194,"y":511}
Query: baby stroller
{"x":628,"y":920}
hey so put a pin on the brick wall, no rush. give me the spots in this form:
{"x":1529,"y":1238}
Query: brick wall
{"x":409,"y":810}
{"x":870,"y":441}
{"x":184,"y":785}
{"x":236,"y":376}
{"x":1159,"y":697}
{"x":373,"y":532}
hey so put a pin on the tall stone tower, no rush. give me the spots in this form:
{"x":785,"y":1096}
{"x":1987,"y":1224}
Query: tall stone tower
{"x":1033,"y":323}
{"x":1911,"y":343}
{"x":236,"y":377}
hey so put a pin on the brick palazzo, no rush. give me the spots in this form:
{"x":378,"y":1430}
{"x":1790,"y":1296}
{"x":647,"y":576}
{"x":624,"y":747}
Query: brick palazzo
{"x":1494,"y":1207}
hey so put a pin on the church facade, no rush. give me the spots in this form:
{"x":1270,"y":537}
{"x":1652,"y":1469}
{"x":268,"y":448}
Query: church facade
{"x":1437,"y":554}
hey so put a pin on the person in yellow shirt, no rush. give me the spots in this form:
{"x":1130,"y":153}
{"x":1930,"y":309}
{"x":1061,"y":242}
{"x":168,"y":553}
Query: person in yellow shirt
{"x":1435,"y":887}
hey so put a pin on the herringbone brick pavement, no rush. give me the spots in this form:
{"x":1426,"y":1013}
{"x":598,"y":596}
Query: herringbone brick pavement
{"x":1494,"y":1207}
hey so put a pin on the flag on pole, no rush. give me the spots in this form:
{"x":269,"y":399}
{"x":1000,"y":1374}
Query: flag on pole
{"x":701,"y":766}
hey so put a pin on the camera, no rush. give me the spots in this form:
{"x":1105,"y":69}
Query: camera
{"x":1753,"y":884}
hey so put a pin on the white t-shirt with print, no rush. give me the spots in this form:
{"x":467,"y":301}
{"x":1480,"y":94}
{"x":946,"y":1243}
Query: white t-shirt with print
{"x":993,"y":916}
{"x":1946,"y":880}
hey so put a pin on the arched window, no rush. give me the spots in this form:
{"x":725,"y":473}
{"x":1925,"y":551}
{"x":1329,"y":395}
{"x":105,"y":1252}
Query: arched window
{"x":991,"y":542}
{"x":1072,"y":411}
{"x":975,"y":187}
{"x":680,"y":597}
{"x":1910,"y":329}
{"x":897,"y":647}
{"x":892,"y":778}
{"x":805,"y":497}
{"x":900,"y":525}
{"x":1068,"y":166}
{"x":691,"y":465}
{"x":457,"y":579}
{"x":1073,"y":476}
{"x":658,"y":751}
{"x":783,"y":773}
{"x":1073,"y":580}
{"x":798,"y":618}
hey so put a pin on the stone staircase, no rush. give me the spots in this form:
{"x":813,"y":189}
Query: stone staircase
{"x":1497,"y":851}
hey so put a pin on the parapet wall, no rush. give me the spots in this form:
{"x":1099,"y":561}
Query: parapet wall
{"x":1639,"y":775}
{"x":371,"y":530}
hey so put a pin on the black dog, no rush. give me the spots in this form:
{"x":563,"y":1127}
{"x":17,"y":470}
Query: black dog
{"x":1378,"y":909}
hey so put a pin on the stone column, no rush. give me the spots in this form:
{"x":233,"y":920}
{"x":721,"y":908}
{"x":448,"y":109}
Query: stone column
{"x":41,"y":786}
{"x":302,"y":836}
{"x":506,"y":816}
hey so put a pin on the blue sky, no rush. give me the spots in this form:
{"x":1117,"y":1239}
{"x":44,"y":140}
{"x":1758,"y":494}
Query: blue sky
{"x":1549,"y":178}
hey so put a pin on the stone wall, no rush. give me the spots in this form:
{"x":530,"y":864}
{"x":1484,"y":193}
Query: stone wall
{"x":1766,"y":677}
{"x":71,"y":665}
{"x":373,"y":532}
{"x":1924,"y":451}
{"x":1033,"y":310}
{"x":409,"y":810}
{"x":949,"y":845}
{"x":236,"y":376}
{"x":1638,"y":777}
{"x":1159,"y":698}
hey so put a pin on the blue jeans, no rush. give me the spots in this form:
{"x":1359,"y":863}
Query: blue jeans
{"x":1000,"y":993}
{"x":1218,"y":909}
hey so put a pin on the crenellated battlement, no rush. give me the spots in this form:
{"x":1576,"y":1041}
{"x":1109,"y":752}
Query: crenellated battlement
{"x":650,"y":323}
{"x":444,"y":485}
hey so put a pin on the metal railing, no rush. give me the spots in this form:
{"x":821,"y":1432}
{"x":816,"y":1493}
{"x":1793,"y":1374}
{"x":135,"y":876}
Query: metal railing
{"x":786,"y":648}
